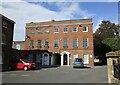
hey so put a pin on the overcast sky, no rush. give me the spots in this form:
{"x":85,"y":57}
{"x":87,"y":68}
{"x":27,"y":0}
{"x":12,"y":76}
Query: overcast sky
{"x":23,"y":11}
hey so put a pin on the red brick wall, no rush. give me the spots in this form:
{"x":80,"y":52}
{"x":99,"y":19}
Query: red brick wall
{"x":70,"y":35}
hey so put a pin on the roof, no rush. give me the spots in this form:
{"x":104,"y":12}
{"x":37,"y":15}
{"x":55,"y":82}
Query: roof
{"x":61,"y":22}
{"x":7,"y":18}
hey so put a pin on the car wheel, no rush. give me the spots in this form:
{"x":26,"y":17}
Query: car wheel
{"x":25,"y":68}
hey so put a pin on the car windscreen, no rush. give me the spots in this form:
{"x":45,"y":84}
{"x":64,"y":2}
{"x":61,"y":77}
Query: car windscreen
{"x":78,"y":59}
{"x":26,"y":61}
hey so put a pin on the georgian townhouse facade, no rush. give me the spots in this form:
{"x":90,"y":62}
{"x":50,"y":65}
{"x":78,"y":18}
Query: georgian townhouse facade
{"x":69,"y":38}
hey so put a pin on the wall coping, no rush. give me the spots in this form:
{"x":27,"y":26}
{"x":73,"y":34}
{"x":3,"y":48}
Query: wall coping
{"x":112,"y":54}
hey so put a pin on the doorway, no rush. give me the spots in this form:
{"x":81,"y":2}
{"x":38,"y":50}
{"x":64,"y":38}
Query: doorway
{"x":45,"y":59}
{"x":65,"y":59}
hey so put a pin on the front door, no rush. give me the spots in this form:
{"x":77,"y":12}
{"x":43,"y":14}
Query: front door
{"x":45,"y":59}
{"x":65,"y":59}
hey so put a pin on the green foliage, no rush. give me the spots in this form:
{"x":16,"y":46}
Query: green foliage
{"x":113,"y":43}
{"x":106,"y":38}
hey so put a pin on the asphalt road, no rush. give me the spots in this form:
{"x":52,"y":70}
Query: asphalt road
{"x":97,"y":74}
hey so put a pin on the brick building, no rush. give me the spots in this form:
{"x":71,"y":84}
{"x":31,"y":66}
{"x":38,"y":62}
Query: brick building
{"x":7,"y":39}
{"x":69,"y":38}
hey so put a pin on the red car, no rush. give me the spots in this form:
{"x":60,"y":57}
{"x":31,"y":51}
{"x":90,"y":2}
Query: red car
{"x":22,"y":64}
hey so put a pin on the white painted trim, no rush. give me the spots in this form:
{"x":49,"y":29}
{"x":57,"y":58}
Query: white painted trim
{"x":86,"y":28}
{"x":68,"y":58}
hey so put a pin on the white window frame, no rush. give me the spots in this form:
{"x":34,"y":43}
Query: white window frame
{"x":86,"y":56}
{"x":56,"y":29}
{"x":64,"y":31}
{"x":86,"y":28}
{"x":75,"y":43}
{"x":56,"y":41}
{"x":47,"y":31}
{"x":75,"y":56}
{"x":75,"y":28}
{"x":87,"y":43}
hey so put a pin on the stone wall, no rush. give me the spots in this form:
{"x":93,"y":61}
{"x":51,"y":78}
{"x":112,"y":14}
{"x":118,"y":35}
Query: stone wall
{"x":113,"y":56}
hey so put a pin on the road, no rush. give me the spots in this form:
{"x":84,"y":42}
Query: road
{"x":64,"y":74}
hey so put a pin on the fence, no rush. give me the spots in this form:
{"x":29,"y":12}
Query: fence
{"x":116,"y":66}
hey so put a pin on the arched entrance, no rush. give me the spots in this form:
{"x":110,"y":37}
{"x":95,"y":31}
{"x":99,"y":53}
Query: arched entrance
{"x":65,"y":59}
{"x":45,"y":59}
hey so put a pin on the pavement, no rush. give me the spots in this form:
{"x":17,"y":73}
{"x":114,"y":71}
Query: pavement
{"x":63,"y":74}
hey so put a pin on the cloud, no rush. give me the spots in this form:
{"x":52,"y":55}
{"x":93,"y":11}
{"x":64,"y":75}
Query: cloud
{"x":61,"y":0}
{"x":22,"y":12}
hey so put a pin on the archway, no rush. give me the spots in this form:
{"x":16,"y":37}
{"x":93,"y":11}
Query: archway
{"x":45,"y":59}
{"x":65,"y":58}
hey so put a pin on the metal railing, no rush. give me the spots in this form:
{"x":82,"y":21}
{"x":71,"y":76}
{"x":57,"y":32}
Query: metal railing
{"x":116,"y":68}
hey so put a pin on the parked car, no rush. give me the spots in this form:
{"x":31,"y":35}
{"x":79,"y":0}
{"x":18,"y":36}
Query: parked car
{"x":22,"y":64}
{"x":78,"y":62}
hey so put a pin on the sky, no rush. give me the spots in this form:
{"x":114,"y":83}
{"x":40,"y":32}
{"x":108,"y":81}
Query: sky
{"x":23,"y":11}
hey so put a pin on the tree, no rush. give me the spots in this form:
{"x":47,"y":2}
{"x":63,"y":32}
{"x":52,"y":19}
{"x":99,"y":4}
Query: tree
{"x":113,"y":43}
{"x":106,"y":39}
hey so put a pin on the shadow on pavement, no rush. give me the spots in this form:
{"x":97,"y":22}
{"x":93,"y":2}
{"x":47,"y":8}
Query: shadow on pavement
{"x":55,"y":66}
{"x":81,"y":67}
{"x":37,"y":68}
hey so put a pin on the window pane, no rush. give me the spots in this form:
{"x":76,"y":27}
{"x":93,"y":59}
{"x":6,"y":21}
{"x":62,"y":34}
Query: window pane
{"x":56,"y":30}
{"x":3,"y":38}
{"x":46,"y":43}
{"x":39,"y":31}
{"x":65,"y":30}
{"x":65,"y":43}
{"x":85,"y":29}
{"x":47,"y":31}
{"x":39,"y":44}
{"x":31,"y":42}
{"x":4,"y":24}
{"x":31,"y":31}
{"x":85,"y":42}
{"x":75,"y":42}
{"x":56,"y":43}
{"x":74,"y":29}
